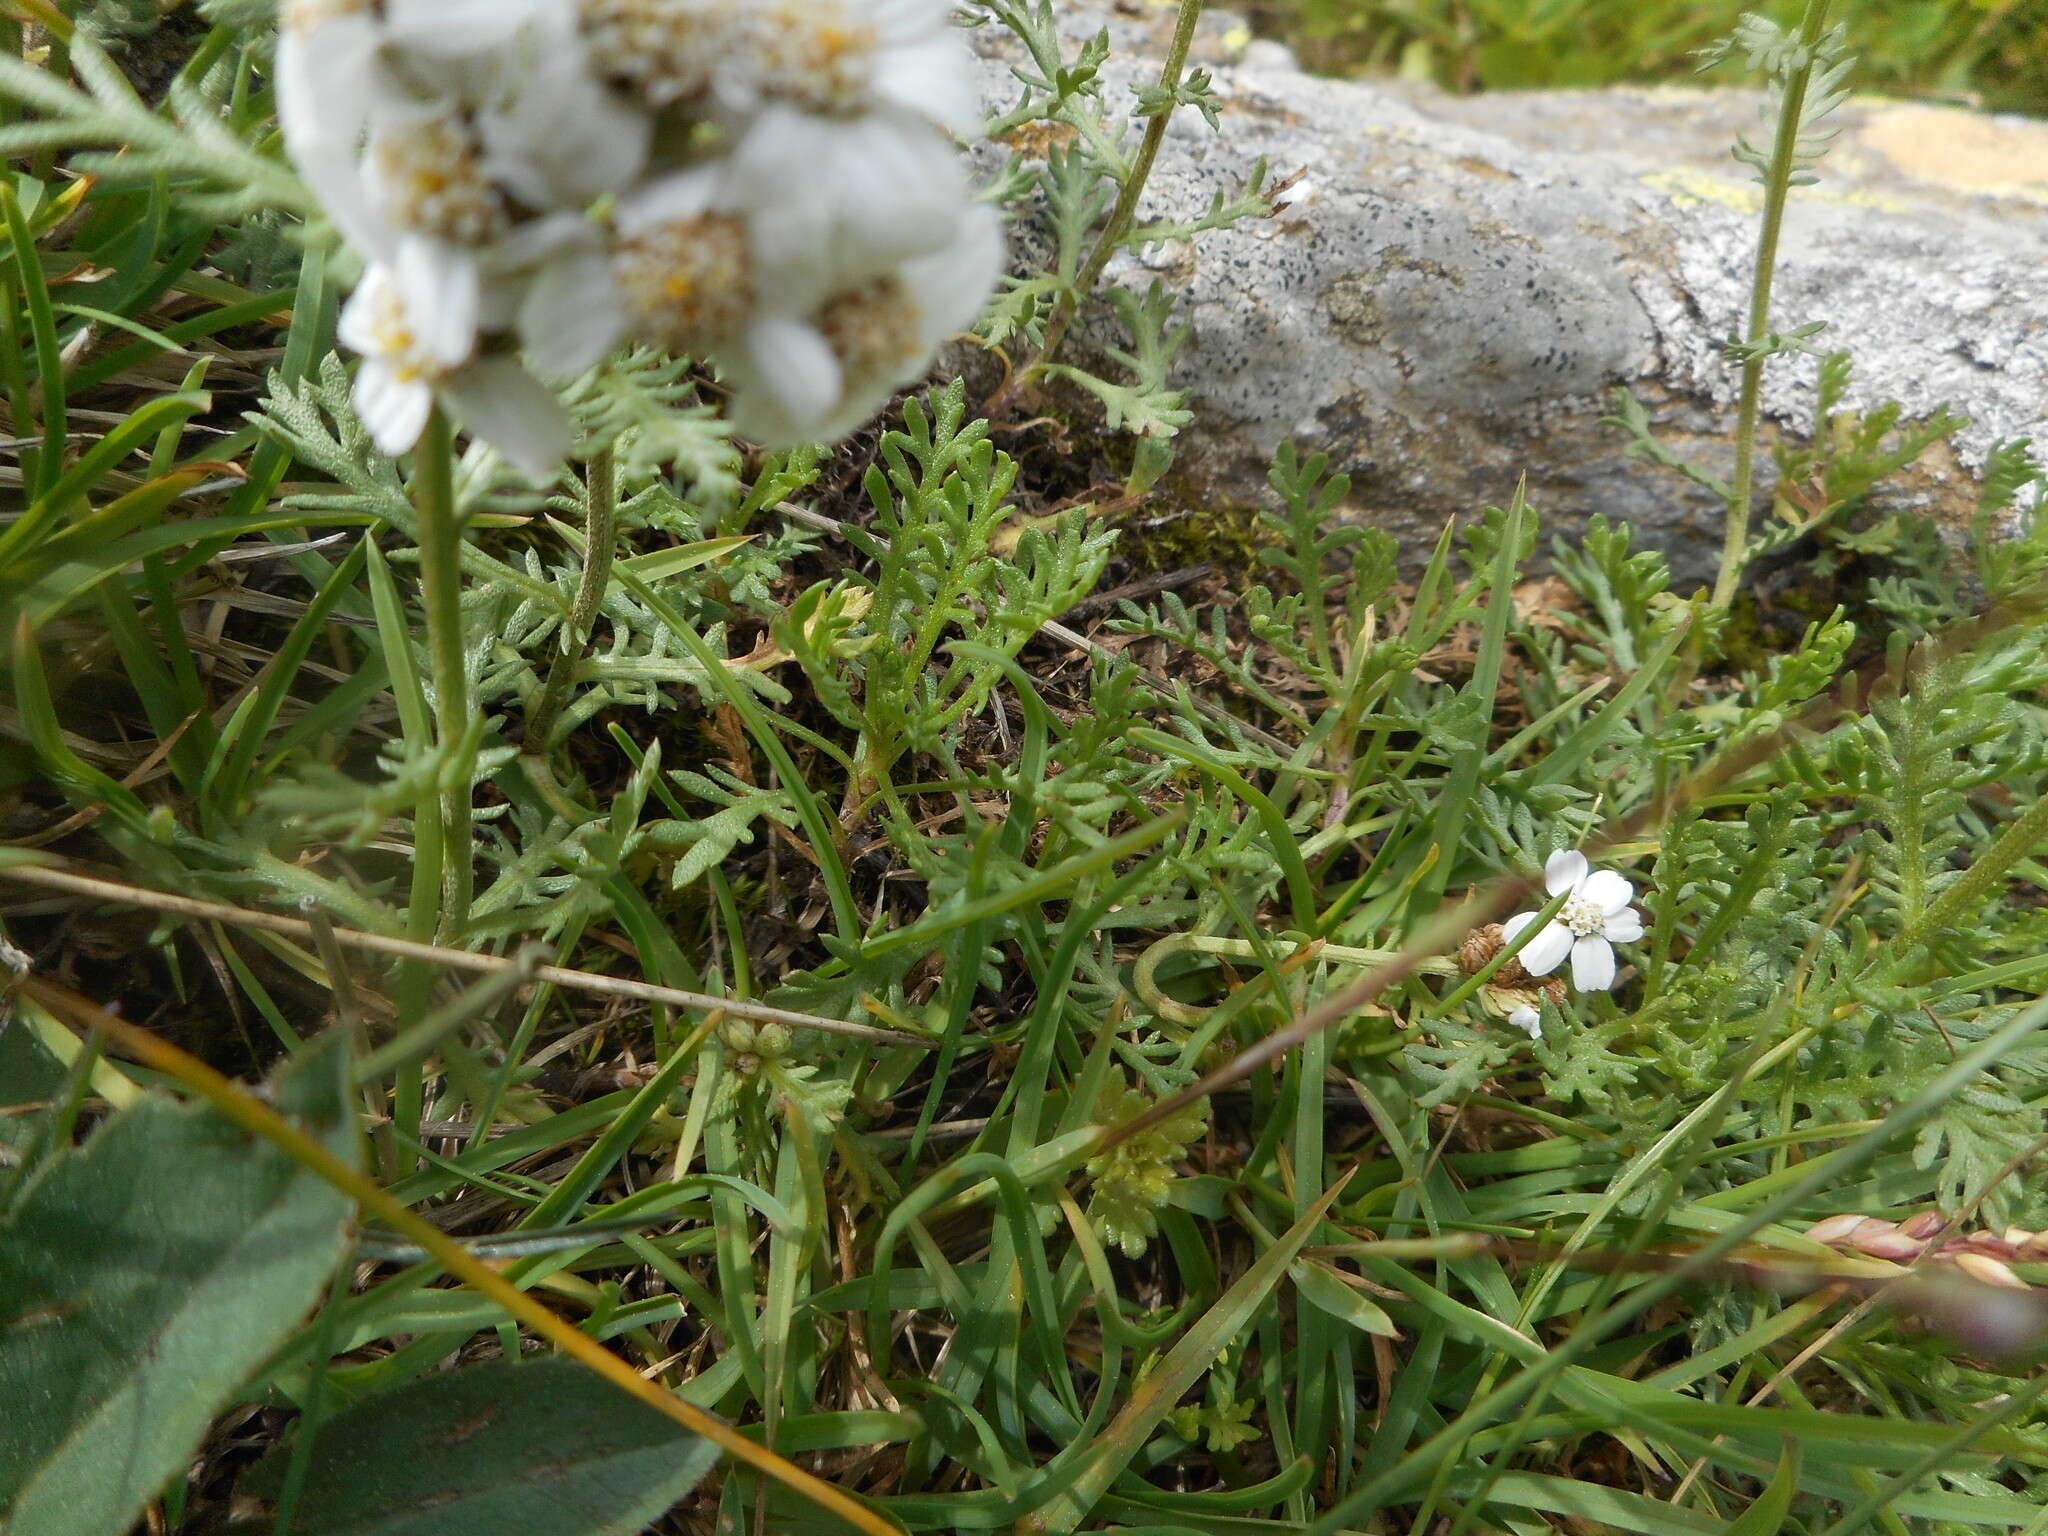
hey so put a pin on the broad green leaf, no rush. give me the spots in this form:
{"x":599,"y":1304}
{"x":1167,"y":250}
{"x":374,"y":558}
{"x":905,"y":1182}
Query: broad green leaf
{"x":545,"y":1449}
{"x":143,"y":1279}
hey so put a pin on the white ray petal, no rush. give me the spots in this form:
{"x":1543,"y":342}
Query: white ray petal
{"x":1607,"y":891}
{"x":1545,"y":953}
{"x":1624,"y":927}
{"x":393,"y":405}
{"x":507,"y":407}
{"x":1592,"y":964}
{"x":1564,"y":871}
{"x":572,"y":315}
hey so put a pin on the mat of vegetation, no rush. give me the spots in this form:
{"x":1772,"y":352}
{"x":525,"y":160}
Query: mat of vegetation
{"x":1992,"y":53}
{"x":836,"y":988}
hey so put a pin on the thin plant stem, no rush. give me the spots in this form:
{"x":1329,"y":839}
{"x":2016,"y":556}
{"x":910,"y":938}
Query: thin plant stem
{"x":600,"y":539}
{"x":259,"y":1119}
{"x":1120,"y":215}
{"x":440,"y":544}
{"x":1777,"y":187}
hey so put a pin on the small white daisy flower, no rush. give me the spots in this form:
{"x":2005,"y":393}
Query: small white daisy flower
{"x":406,"y":364}
{"x":1595,"y":917}
{"x":394,"y":389}
{"x":425,"y":171}
{"x":1529,"y":1020}
{"x":687,"y":264}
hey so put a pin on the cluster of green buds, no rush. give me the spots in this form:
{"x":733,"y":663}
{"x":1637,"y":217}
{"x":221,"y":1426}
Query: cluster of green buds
{"x":1133,"y":1178}
{"x":750,"y":1046}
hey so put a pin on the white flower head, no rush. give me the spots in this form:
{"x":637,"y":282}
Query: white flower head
{"x":406,"y":364}
{"x":770,"y":185}
{"x":425,"y":170}
{"x":1529,"y":1020}
{"x":1595,"y":917}
{"x":344,"y":64}
{"x":687,"y":263}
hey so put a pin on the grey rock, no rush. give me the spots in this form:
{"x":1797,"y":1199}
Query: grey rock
{"x":1458,"y":283}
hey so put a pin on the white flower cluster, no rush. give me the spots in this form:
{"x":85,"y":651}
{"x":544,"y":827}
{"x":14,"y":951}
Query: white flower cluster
{"x":771,"y":184}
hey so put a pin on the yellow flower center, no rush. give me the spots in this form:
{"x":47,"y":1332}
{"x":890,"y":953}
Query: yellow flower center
{"x":664,"y":51}
{"x":1584,"y":918}
{"x":689,"y":281}
{"x":873,"y":329}
{"x":816,"y":56}
{"x":435,"y":176}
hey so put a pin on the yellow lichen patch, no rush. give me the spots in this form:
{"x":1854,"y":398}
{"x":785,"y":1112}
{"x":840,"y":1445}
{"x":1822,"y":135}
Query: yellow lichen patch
{"x":1694,"y":189}
{"x":2000,"y":157}
{"x":1034,"y":141}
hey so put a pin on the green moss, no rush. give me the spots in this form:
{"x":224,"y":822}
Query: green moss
{"x":1225,"y":535}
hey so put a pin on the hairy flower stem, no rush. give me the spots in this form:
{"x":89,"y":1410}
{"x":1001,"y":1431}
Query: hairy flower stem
{"x":600,"y":540}
{"x":1120,"y":216}
{"x":444,"y":825}
{"x":1777,"y":186}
